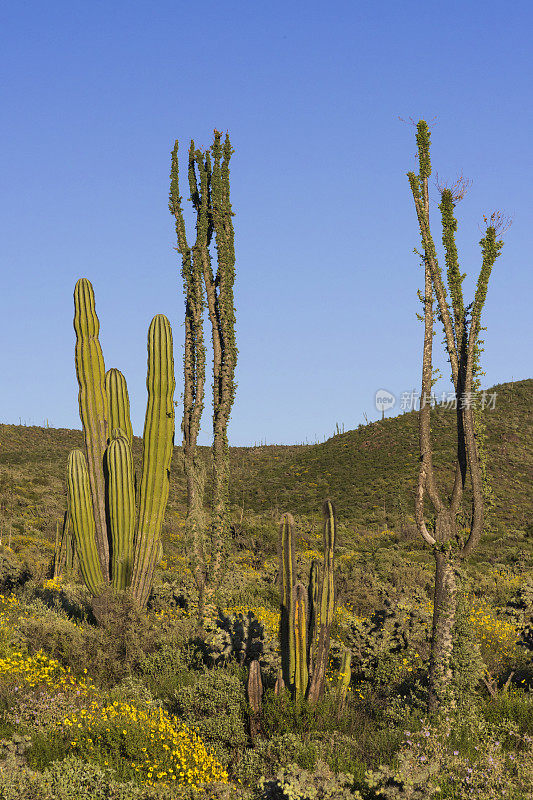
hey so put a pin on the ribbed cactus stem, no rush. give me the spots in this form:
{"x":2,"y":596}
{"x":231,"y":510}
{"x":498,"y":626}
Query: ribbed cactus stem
{"x":327,"y":593}
{"x":313,"y":613}
{"x":158,"y":442}
{"x":121,"y":504}
{"x":326,"y":606}
{"x":288,"y":578}
{"x":83,"y":527}
{"x":93,"y":407}
{"x":301,"y":674}
{"x":118,"y":403}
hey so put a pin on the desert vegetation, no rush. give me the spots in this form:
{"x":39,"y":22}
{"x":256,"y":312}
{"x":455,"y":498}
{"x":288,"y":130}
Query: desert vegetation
{"x":351,"y":619}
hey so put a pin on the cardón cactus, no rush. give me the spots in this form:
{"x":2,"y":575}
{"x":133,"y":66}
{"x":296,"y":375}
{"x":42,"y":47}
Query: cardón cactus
{"x":127,"y":553}
{"x":93,"y":407}
{"x":158,"y":442}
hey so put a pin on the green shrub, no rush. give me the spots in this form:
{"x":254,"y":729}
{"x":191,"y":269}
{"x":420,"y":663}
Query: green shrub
{"x":74,"y":779}
{"x":467,"y":663}
{"x":293,"y":783}
{"x":268,"y":756}
{"x":165,"y":670}
{"x":13,"y":572}
{"x":215,"y":704}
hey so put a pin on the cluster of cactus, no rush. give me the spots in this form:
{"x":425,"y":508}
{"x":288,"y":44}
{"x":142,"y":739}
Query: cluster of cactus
{"x":117,"y":540}
{"x":307,"y":616}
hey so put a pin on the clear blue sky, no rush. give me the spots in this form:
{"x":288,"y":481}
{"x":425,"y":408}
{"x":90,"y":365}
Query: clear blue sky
{"x":93,"y":96}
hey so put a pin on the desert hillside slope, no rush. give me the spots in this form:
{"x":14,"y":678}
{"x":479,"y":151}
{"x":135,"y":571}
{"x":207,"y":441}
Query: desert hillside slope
{"x":369,"y":473}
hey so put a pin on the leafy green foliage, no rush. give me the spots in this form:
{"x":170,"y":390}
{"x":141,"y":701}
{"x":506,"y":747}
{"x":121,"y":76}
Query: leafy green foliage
{"x":216,"y":705}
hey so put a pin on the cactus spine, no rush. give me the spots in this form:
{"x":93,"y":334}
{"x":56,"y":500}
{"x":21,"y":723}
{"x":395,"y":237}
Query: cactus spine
{"x":158,"y":442}
{"x":104,"y":406}
{"x":93,"y":408}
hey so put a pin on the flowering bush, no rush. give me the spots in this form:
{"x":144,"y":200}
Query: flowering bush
{"x":144,"y":744}
{"x":460,"y":757}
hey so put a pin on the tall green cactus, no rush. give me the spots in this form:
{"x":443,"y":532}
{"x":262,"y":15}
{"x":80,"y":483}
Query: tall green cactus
{"x":93,"y":408}
{"x":158,"y":442}
{"x":83,"y":525}
{"x":132,"y":540}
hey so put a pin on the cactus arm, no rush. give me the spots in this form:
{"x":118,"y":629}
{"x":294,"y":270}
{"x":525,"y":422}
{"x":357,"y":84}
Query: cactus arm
{"x":287,"y":574}
{"x":301,"y":674}
{"x":118,"y":403}
{"x":158,"y":442}
{"x":121,"y":504}
{"x":314,"y":613}
{"x":327,"y":594}
{"x":83,"y":526}
{"x":326,"y":606}
{"x":93,"y":407}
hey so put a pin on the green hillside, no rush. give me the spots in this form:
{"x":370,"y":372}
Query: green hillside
{"x":370,"y":474}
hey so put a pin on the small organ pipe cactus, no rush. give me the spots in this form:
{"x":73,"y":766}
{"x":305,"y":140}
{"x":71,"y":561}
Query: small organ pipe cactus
{"x":306,"y":615}
{"x":326,"y":605}
{"x":288,"y":577}
{"x":132,"y":537}
{"x":313,"y":595}
{"x":301,"y":672}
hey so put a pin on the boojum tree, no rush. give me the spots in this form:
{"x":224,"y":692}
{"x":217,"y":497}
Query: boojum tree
{"x":461,"y":323}
{"x":208,"y":175}
{"x":117,"y":540}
